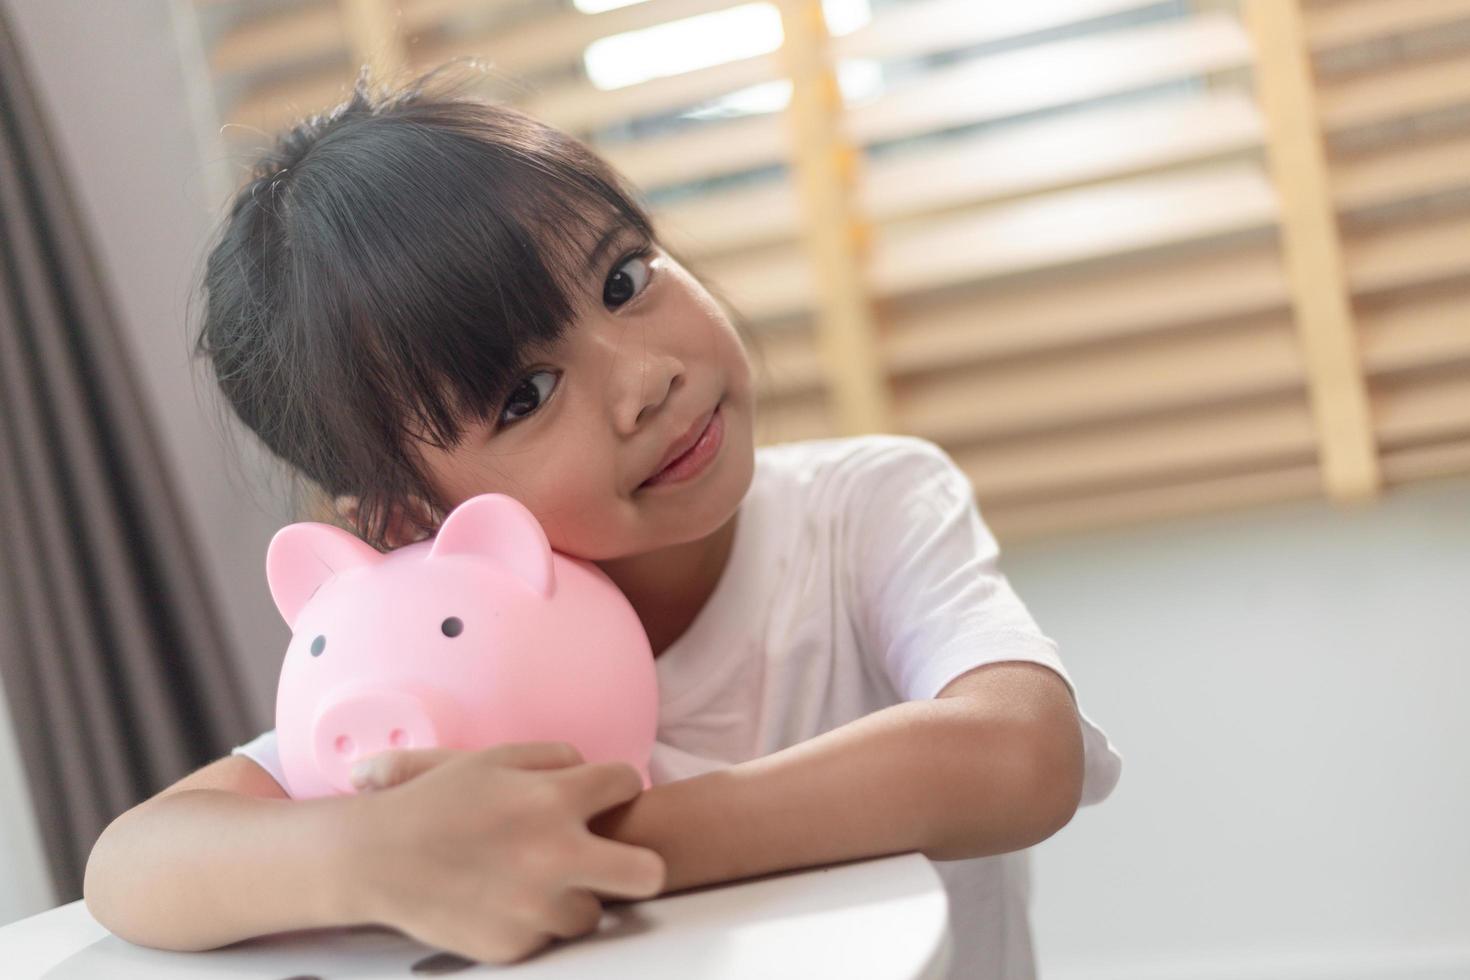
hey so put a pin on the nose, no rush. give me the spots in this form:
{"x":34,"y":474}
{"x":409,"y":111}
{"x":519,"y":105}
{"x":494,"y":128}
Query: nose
{"x":641,"y":380}
{"x":363,"y":723}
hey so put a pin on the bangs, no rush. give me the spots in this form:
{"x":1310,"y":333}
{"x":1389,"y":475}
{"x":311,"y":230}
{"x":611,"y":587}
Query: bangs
{"x":434,"y":260}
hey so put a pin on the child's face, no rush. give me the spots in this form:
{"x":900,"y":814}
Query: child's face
{"x":593,"y":420}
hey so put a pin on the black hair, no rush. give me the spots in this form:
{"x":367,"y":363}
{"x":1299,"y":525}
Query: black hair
{"x":387,"y":273}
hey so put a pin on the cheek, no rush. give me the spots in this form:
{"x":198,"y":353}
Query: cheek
{"x":577,"y":504}
{"x":731,"y":346}
{"x":739,"y":370}
{"x":586,"y":532}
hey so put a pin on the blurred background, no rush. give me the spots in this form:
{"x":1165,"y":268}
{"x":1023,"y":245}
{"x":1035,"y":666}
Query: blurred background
{"x":1183,"y":286}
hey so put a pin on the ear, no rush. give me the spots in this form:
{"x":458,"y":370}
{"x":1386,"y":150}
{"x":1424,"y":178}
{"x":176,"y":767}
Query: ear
{"x":497,"y":526}
{"x":302,"y":557}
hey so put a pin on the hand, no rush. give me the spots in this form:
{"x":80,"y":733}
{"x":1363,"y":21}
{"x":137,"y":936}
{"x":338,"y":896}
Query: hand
{"x":396,"y":766}
{"x":487,"y":853}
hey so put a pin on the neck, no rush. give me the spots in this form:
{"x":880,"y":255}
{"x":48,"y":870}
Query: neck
{"x":668,"y":587}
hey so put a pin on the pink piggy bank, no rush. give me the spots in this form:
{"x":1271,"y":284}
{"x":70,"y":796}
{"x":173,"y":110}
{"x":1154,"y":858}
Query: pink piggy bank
{"x":477,"y":636}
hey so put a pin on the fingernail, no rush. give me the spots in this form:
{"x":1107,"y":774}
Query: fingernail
{"x":361,"y":774}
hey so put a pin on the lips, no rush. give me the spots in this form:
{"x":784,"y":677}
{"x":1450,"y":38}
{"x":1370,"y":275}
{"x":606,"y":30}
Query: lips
{"x":684,"y":443}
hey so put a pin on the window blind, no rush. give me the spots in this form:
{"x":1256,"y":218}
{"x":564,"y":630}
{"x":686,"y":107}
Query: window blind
{"x":1124,"y":261}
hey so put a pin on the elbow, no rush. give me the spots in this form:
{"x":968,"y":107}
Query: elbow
{"x":1034,"y":792}
{"x":94,"y":876}
{"x":1056,"y":771}
{"x":105,"y":890}
{"x":110,"y":898}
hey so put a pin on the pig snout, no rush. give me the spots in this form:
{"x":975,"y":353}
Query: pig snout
{"x":360,"y":724}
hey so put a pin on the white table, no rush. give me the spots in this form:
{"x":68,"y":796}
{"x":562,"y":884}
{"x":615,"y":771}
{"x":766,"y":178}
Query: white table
{"x":880,"y":919}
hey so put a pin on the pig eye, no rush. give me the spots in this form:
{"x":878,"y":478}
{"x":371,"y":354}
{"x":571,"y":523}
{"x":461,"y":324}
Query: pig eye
{"x":318,"y":645}
{"x":451,"y":626}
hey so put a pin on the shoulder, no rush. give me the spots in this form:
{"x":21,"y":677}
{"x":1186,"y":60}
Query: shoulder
{"x":869,"y":480}
{"x":858,"y":459}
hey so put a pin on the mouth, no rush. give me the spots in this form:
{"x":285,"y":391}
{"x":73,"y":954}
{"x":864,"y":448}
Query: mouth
{"x":691,"y":452}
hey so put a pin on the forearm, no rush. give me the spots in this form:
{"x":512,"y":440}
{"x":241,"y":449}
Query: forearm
{"x":930,"y":776}
{"x":203,"y":868}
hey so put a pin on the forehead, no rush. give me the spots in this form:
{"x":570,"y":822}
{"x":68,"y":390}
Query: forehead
{"x":577,"y":250}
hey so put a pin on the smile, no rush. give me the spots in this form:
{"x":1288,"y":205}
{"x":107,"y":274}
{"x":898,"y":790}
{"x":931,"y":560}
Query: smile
{"x":697,"y":458}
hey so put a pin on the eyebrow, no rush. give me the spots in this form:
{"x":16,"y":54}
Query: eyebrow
{"x":609,"y":238}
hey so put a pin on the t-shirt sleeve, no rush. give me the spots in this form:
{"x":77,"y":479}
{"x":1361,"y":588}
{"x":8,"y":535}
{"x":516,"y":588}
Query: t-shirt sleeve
{"x":929,"y":593}
{"x":932,"y":598}
{"x":262,"y":749}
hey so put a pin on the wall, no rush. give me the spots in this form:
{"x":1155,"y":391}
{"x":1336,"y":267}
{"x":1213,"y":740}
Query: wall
{"x":1287,"y":687}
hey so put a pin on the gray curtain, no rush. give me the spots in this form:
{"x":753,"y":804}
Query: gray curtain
{"x":113,"y":657}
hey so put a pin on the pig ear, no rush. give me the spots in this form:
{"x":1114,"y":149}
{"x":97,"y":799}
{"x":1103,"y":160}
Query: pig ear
{"x":499,"y":527}
{"x":302,"y":557}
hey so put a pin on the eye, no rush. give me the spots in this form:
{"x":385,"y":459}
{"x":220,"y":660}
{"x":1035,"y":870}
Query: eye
{"x":318,"y":645}
{"x":622,"y":286}
{"x":452,"y":626}
{"x":528,"y":396}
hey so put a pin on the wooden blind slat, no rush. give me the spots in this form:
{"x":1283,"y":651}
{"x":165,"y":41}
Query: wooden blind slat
{"x":1019,"y":522}
{"x":1406,"y":89}
{"x":1113,"y":306}
{"x":511,"y":51}
{"x":1177,"y":371}
{"x":773,"y":283}
{"x":1024,"y":160}
{"x":1340,"y":24}
{"x":535,"y":43}
{"x":1428,"y":407}
{"x":420,"y":15}
{"x":1404,"y":172}
{"x":1416,"y":333}
{"x":1068,"y":227}
{"x":1183,"y":370}
{"x":943,"y":97}
{"x":1001,"y":86}
{"x":709,"y":151}
{"x":1072,"y":226}
{"x":373,"y":37}
{"x":1408,"y":255}
{"x":720,"y":222}
{"x":1054,"y":74}
{"x":792,"y":364}
{"x":1080,"y":149}
{"x":266,"y":42}
{"x":585,"y":107}
{"x":1110,"y":304}
{"x":272,"y":107}
{"x":922,"y":27}
{"x":1426,"y":462}
{"x":1136,"y":453}
{"x":808,"y":417}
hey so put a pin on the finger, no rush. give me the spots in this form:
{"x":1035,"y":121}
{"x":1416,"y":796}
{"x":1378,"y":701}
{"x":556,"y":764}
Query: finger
{"x":603,"y":785}
{"x":576,"y":912}
{"x":500,"y":942}
{"x":400,"y":765}
{"x":396,"y":766}
{"x":535,"y":755}
{"x":618,"y":870}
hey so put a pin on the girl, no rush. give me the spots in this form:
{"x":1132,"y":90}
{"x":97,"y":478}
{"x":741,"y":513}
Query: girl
{"x":421,"y":298}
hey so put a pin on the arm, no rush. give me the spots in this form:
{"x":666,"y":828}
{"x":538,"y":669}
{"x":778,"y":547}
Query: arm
{"x":993,"y":764}
{"x":221,"y":856}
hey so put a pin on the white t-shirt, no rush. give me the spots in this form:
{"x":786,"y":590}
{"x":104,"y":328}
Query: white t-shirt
{"x":861,"y":576}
